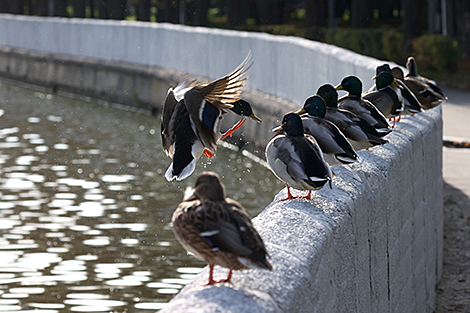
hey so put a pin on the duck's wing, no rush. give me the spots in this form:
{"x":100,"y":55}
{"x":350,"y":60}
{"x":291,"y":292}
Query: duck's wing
{"x":186,"y":149}
{"x":433,"y":85}
{"x":410,"y":102}
{"x":220,"y":92}
{"x":330,"y":139}
{"x":234,"y":233}
{"x":426,"y":96}
{"x":313,"y":163}
{"x":170,"y":115}
{"x":386,"y":101}
{"x":365,"y":109}
{"x":355,"y":127}
{"x":226,"y":226}
{"x":206,"y":103}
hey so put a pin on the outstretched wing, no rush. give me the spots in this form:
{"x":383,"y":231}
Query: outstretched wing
{"x":225,"y":90}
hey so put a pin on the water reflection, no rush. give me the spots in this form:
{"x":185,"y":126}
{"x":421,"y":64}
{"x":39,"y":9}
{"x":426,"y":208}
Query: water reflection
{"x":85,"y":210}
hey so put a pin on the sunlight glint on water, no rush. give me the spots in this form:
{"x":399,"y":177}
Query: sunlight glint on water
{"x":85,"y":210}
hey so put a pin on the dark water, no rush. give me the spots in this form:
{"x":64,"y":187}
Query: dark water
{"x":85,"y":210}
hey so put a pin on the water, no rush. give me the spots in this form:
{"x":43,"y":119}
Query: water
{"x":85,"y":210}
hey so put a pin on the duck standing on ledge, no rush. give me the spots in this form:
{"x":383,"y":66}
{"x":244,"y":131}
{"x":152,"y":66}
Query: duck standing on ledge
{"x":353,"y":102}
{"x":427,"y":97}
{"x":361,"y":134}
{"x":335,"y":146}
{"x":296,"y":159}
{"x":411,"y":104}
{"x":218,"y":230}
{"x":191,"y":119}
{"x":387,"y":98}
{"x":413,"y":73}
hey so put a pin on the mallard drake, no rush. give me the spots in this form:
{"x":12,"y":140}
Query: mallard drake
{"x":361,"y":134}
{"x":296,"y":159}
{"x":191,"y":119}
{"x":354,"y":103}
{"x":388,"y":100}
{"x":426,"y":96}
{"x":335,"y":147}
{"x":411,"y":105}
{"x":243,"y":109}
{"x":218,"y":230}
{"x":413,"y":72}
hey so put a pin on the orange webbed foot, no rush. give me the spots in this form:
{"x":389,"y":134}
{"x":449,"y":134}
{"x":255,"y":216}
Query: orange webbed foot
{"x":234,"y":128}
{"x":208,"y":153}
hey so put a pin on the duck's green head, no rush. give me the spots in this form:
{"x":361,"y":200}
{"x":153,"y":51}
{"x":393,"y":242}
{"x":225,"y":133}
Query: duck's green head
{"x":329,"y":95}
{"x":351,"y":84}
{"x":382,"y":68}
{"x":314,"y":106}
{"x":291,"y":125}
{"x":208,"y":186}
{"x":411,"y":66}
{"x":243,"y":108}
{"x":385,"y":79}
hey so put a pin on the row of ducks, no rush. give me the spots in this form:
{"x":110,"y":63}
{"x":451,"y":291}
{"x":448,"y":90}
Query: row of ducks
{"x":326,"y":131}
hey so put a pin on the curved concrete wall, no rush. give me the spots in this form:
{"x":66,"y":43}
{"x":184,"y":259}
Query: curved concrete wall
{"x":288,"y":67}
{"x":371,"y":244}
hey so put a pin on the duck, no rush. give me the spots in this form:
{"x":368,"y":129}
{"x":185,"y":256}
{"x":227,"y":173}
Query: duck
{"x":242,"y":108}
{"x":218,"y":230}
{"x":411,"y":104}
{"x":359,"y":132}
{"x":412,"y":67}
{"x":386,"y":98}
{"x":296,"y":159}
{"x":354,"y":103}
{"x":191,"y":118}
{"x":426,"y":96}
{"x":335,"y":147}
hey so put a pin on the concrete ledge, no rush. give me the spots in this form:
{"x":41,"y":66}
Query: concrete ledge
{"x":371,"y":244}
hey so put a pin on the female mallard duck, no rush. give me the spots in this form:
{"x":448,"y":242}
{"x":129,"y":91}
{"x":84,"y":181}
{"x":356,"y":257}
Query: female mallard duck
{"x":388,"y":100}
{"x":361,"y":134}
{"x":218,"y":230}
{"x":191,"y":119}
{"x":354,"y":103}
{"x":296,"y":158}
{"x":423,"y":92}
{"x":335,"y":147}
{"x":413,"y":73}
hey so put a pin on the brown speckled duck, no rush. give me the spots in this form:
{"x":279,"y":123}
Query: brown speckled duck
{"x":413,"y":72}
{"x":218,"y":230}
{"x":426,"y":96}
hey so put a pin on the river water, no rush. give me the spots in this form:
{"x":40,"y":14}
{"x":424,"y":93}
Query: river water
{"x":85,"y":210}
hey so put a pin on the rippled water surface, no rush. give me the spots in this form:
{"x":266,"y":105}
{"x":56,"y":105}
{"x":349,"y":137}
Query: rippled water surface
{"x":85,"y":210}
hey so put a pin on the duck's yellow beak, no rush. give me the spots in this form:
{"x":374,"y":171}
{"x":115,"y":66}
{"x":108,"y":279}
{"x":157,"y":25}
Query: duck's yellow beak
{"x":395,"y":84}
{"x":374,"y":77}
{"x":300,"y":111}
{"x":278,"y":129}
{"x":254,"y":117}
{"x":339,"y":87}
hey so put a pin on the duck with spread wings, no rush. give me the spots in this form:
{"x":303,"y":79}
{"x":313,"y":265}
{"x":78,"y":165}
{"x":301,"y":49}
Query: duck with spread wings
{"x":191,"y":118}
